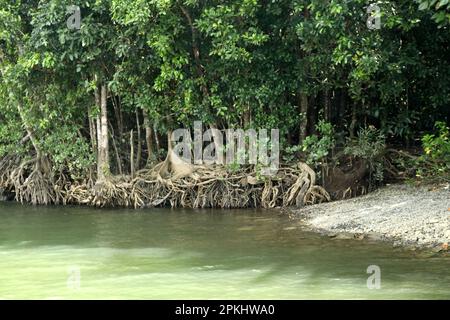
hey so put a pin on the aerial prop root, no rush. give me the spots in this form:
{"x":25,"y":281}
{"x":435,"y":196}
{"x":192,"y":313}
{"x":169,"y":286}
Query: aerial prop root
{"x":169,"y":183}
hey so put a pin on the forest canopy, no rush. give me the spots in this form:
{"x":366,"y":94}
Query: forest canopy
{"x":98,"y":100}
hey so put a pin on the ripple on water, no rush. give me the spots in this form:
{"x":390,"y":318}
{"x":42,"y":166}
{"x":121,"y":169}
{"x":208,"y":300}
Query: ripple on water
{"x":162,"y":254}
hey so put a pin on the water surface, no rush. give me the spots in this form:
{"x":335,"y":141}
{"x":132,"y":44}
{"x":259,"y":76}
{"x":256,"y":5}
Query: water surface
{"x":86,"y":253}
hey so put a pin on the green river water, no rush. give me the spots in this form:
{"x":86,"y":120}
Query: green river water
{"x":85,"y":253}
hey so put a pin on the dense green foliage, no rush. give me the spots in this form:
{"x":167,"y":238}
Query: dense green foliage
{"x":305,"y":67}
{"x":440,"y":8}
{"x":436,"y":160}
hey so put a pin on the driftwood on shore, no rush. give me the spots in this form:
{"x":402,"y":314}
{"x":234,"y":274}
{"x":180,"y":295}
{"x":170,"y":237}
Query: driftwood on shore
{"x":169,"y":183}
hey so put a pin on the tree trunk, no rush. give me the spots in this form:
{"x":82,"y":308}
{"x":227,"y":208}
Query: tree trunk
{"x":116,"y":150}
{"x":217,"y":136}
{"x":33,"y":139}
{"x":196,"y":51}
{"x":139,"y":145}
{"x":247,"y":118}
{"x":326,"y":105}
{"x":99,"y":128}
{"x":158,"y":144}
{"x":118,"y":115}
{"x":342,"y":106}
{"x":354,"y":120}
{"x":103,"y":140}
{"x":92,"y":132}
{"x":132,"y":168}
{"x":148,"y":136}
{"x":304,"y":117}
{"x":312,"y":116}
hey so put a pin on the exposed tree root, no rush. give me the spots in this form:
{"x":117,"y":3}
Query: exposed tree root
{"x":171,"y":183}
{"x":7,"y":165}
{"x":32,"y":183}
{"x":347,"y":182}
{"x":204,"y":187}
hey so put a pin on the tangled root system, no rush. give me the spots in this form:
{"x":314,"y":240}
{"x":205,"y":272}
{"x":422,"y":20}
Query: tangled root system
{"x":177,"y":184}
{"x":171,"y":183}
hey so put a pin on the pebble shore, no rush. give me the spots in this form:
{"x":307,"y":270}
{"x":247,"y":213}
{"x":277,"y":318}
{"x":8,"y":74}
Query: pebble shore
{"x":402,"y":214}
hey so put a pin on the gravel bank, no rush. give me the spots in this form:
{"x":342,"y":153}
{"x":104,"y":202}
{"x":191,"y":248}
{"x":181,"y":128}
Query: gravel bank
{"x":406,"y":215}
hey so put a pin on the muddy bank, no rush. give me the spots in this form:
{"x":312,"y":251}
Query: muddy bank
{"x":417,"y":217}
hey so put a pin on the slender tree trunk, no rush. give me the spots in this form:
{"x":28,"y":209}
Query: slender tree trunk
{"x":312,"y":117}
{"x":139,"y":144}
{"x":247,"y":117}
{"x":148,"y":136}
{"x":116,"y":150}
{"x":354,"y":120}
{"x":99,"y":138}
{"x":158,"y":144}
{"x":118,"y":115}
{"x":92,"y":132}
{"x":304,"y":117}
{"x":342,"y":104}
{"x":99,"y":129}
{"x":103,"y":141}
{"x":132,"y":168}
{"x":326,"y":105}
{"x":33,"y":139}
{"x":217,"y":145}
{"x":195,"y":50}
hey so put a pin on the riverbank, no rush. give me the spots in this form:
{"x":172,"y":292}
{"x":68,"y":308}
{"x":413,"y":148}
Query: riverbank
{"x":170,"y":183}
{"x":416,"y":217}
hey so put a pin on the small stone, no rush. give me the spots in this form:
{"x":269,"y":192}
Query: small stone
{"x":437,"y":249}
{"x":374,"y":237}
{"x":359,"y":236}
{"x":397,"y":244}
{"x":332,"y":235}
{"x":447,"y":234}
{"x":344,"y":236}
